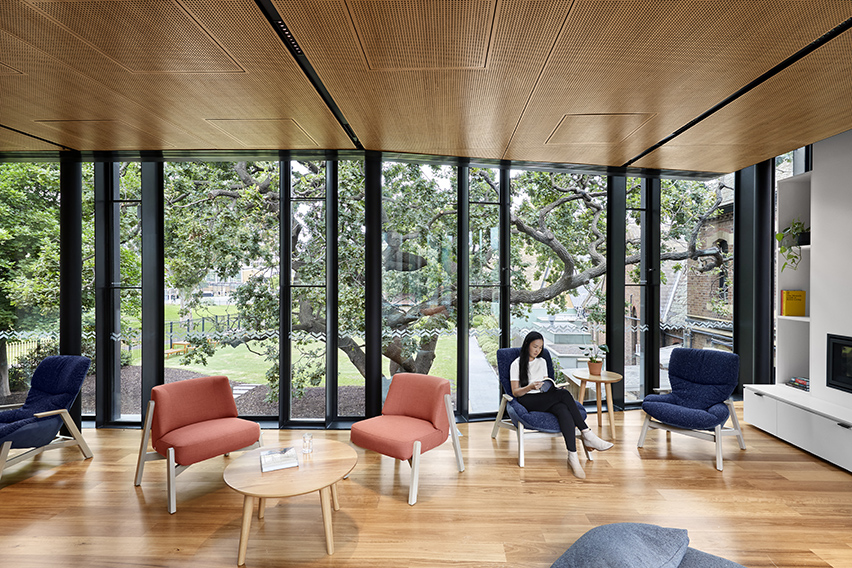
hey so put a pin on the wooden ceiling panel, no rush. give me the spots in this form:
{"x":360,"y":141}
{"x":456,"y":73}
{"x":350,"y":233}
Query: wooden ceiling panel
{"x":807,"y":102}
{"x":421,"y":107}
{"x":12,"y":141}
{"x":672,"y":60}
{"x":130,"y":32}
{"x":227,"y":63}
{"x":412,"y":34}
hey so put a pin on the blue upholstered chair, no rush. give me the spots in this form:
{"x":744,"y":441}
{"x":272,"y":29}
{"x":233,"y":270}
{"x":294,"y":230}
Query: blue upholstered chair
{"x":513,"y":416}
{"x":35,"y":425}
{"x":699,"y":403}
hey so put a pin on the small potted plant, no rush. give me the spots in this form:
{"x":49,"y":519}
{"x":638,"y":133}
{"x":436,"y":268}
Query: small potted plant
{"x":595,"y":354}
{"x":790,"y":241}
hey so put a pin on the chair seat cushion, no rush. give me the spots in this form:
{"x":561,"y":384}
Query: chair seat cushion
{"x":30,"y":432}
{"x":682,"y":417}
{"x":626,"y":545}
{"x":541,"y":421}
{"x":394,"y":435}
{"x":203,"y":440}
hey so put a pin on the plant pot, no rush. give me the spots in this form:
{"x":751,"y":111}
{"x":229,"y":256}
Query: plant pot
{"x":804,"y":239}
{"x":595,"y":368}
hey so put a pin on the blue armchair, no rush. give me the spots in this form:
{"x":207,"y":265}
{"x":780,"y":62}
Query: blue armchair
{"x":698,"y":405}
{"x":55,"y":384}
{"x":513,"y":416}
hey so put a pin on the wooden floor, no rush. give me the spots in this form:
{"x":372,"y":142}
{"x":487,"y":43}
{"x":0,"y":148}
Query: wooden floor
{"x":772,"y":506}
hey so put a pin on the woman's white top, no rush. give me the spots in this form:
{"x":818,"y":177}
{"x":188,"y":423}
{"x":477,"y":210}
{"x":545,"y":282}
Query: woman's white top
{"x":537,"y":371}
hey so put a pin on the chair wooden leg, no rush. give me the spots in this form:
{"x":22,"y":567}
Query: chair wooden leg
{"x":76,"y":434}
{"x":520,"y":445}
{"x":415,"y":474}
{"x":4,"y":455}
{"x":143,"y":447}
{"x":170,"y":481}
{"x":736,"y":423}
{"x":500,"y":412}
{"x":454,"y":433}
{"x":719,"y":447}
{"x":644,"y":431}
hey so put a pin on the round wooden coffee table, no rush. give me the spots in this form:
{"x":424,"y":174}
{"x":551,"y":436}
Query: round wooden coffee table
{"x":605,"y":378}
{"x":319,"y":471}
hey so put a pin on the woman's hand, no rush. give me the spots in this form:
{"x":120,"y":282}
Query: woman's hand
{"x":537,"y":385}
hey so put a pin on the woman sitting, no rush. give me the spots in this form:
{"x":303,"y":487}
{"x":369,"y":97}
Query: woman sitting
{"x":527,"y":374}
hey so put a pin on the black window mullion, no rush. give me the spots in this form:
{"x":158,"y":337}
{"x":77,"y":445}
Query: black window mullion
{"x":107,"y":277}
{"x":463,"y":299}
{"x":616,"y":244}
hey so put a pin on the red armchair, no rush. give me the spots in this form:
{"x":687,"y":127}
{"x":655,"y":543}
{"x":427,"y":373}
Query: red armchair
{"x":417,"y":416}
{"x":191,"y":421}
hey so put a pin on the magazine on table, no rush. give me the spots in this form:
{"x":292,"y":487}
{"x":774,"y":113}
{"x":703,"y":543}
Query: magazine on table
{"x":270,"y":460}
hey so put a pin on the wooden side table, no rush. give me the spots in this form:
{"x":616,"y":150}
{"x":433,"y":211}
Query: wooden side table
{"x":606,"y":378}
{"x":318,"y":471}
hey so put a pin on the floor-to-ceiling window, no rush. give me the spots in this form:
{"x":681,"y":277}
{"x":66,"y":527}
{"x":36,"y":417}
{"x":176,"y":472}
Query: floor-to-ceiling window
{"x":350,"y":289}
{"x":559,"y":263}
{"x":484,"y":289}
{"x":29,"y":273}
{"x":221,"y":277}
{"x":419,"y":270}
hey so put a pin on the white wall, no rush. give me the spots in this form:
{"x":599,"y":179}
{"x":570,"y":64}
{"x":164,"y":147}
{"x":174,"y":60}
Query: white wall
{"x":831,"y":256}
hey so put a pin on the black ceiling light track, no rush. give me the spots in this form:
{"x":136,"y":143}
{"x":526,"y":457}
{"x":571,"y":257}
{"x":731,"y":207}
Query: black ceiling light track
{"x":295,"y":50}
{"x":802,"y":53}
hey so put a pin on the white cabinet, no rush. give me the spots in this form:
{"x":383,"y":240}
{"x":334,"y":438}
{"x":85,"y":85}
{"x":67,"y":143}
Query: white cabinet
{"x":819,"y":427}
{"x":759,"y":410}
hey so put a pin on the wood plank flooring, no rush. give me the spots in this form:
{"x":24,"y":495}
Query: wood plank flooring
{"x":773,"y":506}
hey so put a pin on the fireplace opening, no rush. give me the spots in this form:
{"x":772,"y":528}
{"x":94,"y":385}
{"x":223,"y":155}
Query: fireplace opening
{"x":839,"y":363}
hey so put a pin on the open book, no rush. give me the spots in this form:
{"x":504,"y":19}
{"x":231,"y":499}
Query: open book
{"x":549,"y":383}
{"x":270,"y":460}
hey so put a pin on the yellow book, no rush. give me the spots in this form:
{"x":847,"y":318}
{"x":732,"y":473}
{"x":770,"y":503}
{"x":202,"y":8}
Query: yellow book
{"x":793,"y":303}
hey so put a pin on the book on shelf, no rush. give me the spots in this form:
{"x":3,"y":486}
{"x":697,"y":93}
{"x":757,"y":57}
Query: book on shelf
{"x":802,"y":383}
{"x":793,"y":302}
{"x":270,"y":460}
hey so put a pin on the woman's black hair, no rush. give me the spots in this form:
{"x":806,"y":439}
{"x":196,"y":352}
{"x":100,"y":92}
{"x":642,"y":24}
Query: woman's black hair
{"x":524,"y":358}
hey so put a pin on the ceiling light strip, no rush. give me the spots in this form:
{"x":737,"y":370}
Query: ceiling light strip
{"x":802,"y":53}
{"x":296,"y":51}
{"x":28,"y":135}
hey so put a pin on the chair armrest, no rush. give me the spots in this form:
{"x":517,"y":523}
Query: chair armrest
{"x":49,"y":413}
{"x":11,"y":406}
{"x":661,"y":390}
{"x":507,"y":398}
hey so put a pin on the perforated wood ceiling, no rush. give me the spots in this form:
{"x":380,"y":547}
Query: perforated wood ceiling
{"x":597,"y":82}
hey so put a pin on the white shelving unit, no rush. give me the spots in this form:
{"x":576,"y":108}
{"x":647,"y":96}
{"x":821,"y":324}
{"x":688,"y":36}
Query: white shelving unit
{"x":792,"y":339}
{"x":819,"y":421}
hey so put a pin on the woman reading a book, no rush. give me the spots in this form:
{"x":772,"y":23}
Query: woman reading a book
{"x":528,"y":375}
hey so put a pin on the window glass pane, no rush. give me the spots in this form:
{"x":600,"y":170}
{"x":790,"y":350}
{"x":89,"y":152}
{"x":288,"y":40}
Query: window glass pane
{"x":634,"y":336}
{"x":222,"y":277}
{"x":558,"y":264}
{"x":696,"y":281}
{"x":484,"y":185}
{"x":419,"y":270}
{"x":484,"y":342}
{"x":29,"y":273}
{"x":484,"y":252}
{"x":308,"y":353}
{"x":350,"y":307}
{"x":130,"y":295}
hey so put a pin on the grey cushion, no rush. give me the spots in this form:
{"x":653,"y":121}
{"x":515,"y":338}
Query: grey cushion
{"x":697,"y":559}
{"x":626,"y":545}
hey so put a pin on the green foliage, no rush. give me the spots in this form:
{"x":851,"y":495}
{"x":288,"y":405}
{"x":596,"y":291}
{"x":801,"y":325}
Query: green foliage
{"x":788,"y":243}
